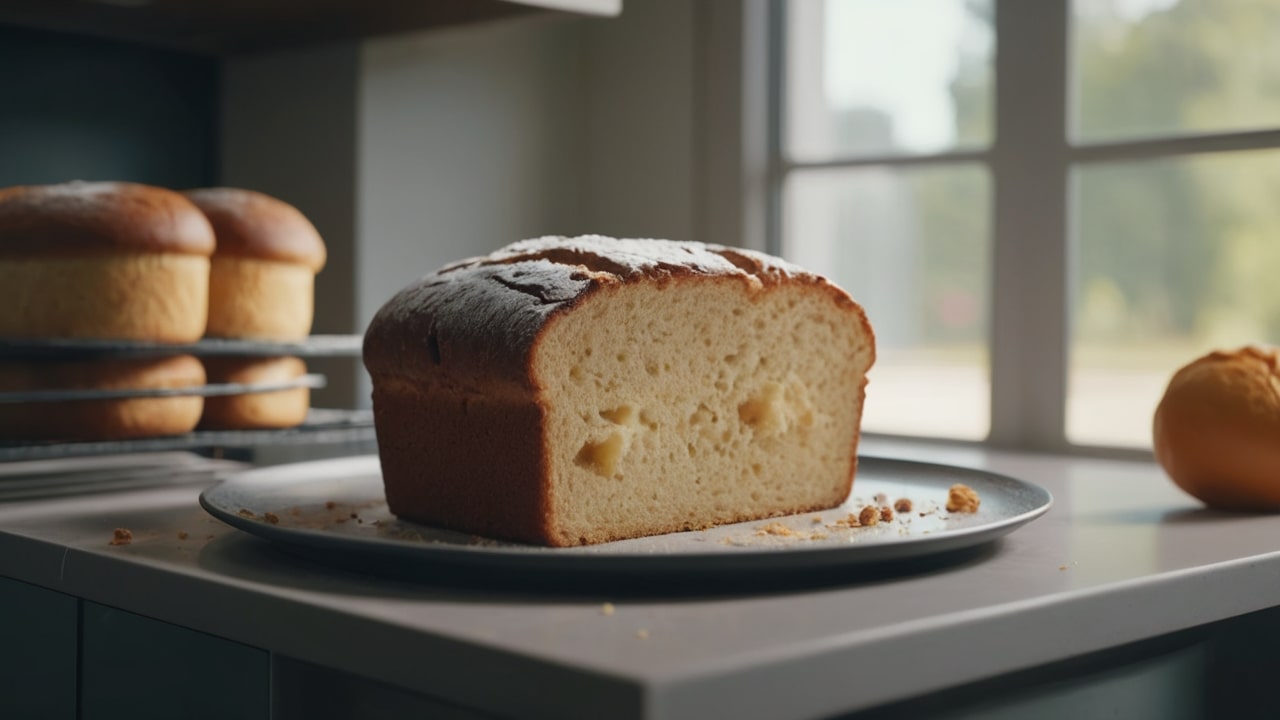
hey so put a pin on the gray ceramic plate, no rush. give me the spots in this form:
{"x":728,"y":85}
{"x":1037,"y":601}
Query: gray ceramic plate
{"x":335,"y":509}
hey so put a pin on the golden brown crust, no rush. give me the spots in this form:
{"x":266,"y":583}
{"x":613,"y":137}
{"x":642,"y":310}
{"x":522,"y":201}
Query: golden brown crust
{"x":101,"y":419}
{"x":276,"y":409}
{"x":253,"y":225}
{"x":81,"y":218}
{"x":257,"y":298}
{"x":157,"y":297}
{"x":1215,"y":430}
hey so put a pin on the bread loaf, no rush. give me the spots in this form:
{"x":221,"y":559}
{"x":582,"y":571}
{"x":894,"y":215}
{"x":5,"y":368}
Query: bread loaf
{"x":262,"y":281}
{"x":572,"y":391}
{"x":275,"y":409}
{"x":1217,"y":429}
{"x":103,"y":260}
{"x":115,"y":419}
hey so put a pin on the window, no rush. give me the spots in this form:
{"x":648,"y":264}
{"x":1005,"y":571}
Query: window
{"x":1046,"y":208}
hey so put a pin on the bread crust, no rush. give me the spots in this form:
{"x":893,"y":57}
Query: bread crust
{"x":253,"y":225}
{"x":257,"y":298}
{"x":451,"y":358}
{"x":1216,"y":431}
{"x":276,"y":409}
{"x":100,"y":218}
{"x":156,"y":297}
{"x":101,"y":419}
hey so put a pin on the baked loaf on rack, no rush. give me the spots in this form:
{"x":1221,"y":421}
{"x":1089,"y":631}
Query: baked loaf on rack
{"x":261,"y":286}
{"x":565,"y":391}
{"x":262,"y":282}
{"x":263,"y":410}
{"x":112,"y":419}
{"x":103,"y":260}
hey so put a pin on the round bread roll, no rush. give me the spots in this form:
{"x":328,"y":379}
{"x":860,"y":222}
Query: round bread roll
{"x":103,"y":260}
{"x":1217,"y":429}
{"x":276,"y":409}
{"x":262,"y":284}
{"x":101,"y":419}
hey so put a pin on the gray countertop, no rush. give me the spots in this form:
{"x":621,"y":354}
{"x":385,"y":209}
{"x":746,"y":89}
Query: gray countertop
{"x":1122,"y":556}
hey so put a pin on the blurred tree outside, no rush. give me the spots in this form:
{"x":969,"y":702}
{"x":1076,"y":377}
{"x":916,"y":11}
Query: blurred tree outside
{"x":1182,"y":250}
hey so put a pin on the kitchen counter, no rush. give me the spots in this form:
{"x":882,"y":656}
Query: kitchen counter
{"x":1122,"y":557}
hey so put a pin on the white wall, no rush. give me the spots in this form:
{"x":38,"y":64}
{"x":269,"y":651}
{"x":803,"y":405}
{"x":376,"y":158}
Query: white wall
{"x":468,"y":140}
{"x":638,"y":98}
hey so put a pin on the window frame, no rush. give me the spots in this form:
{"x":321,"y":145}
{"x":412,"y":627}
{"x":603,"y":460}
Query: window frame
{"x":1030,"y":161}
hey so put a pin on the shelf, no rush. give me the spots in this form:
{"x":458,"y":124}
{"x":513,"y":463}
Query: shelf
{"x":92,"y":348}
{"x":322,"y":426}
{"x":230,"y":26}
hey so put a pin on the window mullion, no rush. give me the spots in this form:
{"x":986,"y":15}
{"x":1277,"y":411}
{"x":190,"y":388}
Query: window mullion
{"x":1029,"y":161}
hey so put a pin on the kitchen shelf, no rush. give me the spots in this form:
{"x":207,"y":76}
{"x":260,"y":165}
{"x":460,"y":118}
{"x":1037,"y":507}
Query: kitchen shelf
{"x":92,"y":348}
{"x":322,"y":426}
{"x":231,"y":26}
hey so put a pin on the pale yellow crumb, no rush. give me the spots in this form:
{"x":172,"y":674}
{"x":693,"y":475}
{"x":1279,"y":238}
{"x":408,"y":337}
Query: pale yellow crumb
{"x":607,"y":609}
{"x":642,"y":634}
{"x":776,"y":528}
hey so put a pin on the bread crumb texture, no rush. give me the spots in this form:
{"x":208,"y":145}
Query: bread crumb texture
{"x":675,"y":409}
{"x":962,"y":499}
{"x":121,"y":536}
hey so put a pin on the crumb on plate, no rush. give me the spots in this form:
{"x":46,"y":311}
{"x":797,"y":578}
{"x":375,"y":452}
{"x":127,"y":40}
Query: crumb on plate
{"x":272,"y":518}
{"x":886,"y":514}
{"x":776,"y":528}
{"x":182,"y":535}
{"x":607,"y":609}
{"x":870,"y":515}
{"x":121,"y":536}
{"x":246,"y":512}
{"x":902,"y":505}
{"x":642,"y":634}
{"x":962,"y":499}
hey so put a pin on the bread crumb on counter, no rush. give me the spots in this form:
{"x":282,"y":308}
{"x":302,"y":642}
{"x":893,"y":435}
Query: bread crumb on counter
{"x":607,"y":609}
{"x":776,"y":528}
{"x":870,"y":515}
{"x":886,"y":514}
{"x":903,"y":505}
{"x":182,"y":535}
{"x":271,"y":518}
{"x":816,"y":519}
{"x":962,"y":499}
{"x":121,"y":536}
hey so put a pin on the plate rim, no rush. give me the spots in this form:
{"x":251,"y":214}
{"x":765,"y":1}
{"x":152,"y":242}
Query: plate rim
{"x":535,"y":557}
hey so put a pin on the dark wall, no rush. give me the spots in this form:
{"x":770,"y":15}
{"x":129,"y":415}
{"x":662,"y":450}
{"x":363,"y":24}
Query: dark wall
{"x":77,"y":108}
